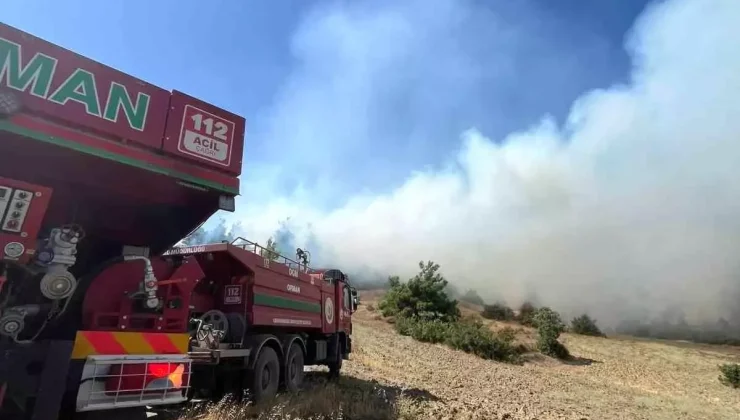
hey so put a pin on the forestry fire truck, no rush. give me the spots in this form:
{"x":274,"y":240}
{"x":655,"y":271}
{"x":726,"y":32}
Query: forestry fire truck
{"x":101,"y":174}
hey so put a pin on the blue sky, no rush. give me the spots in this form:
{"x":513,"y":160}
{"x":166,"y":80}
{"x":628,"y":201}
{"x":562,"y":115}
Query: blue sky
{"x":289,"y":67}
{"x":530,"y":147}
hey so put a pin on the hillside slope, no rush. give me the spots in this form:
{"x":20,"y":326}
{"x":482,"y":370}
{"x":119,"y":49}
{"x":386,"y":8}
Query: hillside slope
{"x":394,"y":377}
{"x":616,"y":378}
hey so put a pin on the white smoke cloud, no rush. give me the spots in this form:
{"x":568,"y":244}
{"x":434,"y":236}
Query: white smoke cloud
{"x":628,"y":208}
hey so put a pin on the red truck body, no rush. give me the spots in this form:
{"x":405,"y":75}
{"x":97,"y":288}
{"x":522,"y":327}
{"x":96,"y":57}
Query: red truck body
{"x":101,"y":174}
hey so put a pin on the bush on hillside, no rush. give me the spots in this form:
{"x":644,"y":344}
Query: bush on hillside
{"x":547,"y":319}
{"x":507,"y":333}
{"x":434,"y":331}
{"x":466,"y":335}
{"x":585,"y":325}
{"x":526,"y":314}
{"x":471,"y":296}
{"x":422,"y":297}
{"x":421,"y":309}
{"x":549,"y":327}
{"x":730,"y":374}
{"x":498,"y":311}
{"x":474,"y":337}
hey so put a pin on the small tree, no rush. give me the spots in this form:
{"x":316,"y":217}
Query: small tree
{"x":395,"y":299}
{"x":422,"y":297}
{"x":498,"y":311}
{"x":270,"y":251}
{"x":585,"y":325}
{"x":549,"y":327}
{"x":526,"y":314}
{"x":471,"y":296}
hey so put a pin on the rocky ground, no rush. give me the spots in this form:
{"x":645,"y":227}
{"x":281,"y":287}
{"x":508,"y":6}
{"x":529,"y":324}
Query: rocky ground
{"x":390,"y":376}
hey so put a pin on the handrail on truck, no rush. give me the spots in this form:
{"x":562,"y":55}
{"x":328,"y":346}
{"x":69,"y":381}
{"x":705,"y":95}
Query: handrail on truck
{"x":258,"y":249}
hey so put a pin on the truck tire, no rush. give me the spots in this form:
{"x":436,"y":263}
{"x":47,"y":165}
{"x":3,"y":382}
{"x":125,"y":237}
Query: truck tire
{"x":294,"y":368}
{"x":264,"y":379}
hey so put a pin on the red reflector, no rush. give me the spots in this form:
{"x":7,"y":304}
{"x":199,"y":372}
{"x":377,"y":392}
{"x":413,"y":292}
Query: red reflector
{"x":161,"y":370}
{"x":142,"y":377}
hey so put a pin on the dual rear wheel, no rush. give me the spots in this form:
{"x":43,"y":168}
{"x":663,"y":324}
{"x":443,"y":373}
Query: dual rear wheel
{"x":267,"y":375}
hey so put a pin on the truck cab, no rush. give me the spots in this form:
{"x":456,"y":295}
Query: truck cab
{"x":346,"y":298}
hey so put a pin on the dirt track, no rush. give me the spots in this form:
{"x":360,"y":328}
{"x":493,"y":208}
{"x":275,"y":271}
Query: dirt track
{"x":615,"y":379}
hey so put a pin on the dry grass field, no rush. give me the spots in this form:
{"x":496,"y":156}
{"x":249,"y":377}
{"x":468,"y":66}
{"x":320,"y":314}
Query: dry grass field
{"x":395,"y":377}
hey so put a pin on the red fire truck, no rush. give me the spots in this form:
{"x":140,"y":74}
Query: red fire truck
{"x":101,"y":174}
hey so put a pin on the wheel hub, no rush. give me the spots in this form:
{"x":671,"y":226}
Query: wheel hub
{"x":266,"y":377}
{"x":293,"y":369}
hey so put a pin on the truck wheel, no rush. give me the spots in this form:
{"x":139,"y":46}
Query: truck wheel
{"x":265,"y":378}
{"x":294,"y":368}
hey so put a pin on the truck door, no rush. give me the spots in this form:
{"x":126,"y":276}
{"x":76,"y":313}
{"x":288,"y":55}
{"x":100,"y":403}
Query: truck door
{"x":345,"y":316}
{"x":340,"y":304}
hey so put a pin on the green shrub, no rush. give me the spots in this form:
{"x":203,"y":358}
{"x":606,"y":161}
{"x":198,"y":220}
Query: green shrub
{"x":730,"y":374}
{"x":466,"y":335}
{"x":549,"y":327}
{"x":421,"y":309}
{"x":475,"y":338}
{"x":422,"y":297}
{"x":498,"y":311}
{"x":425,"y":331}
{"x":585,"y":325}
{"x":547,"y":319}
{"x":526,"y":314}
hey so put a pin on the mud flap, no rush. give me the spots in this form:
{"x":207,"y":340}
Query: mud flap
{"x":34,"y":373}
{"x":335,"y":348}
{"x":53,"y":380}
{"x":348,"y":349}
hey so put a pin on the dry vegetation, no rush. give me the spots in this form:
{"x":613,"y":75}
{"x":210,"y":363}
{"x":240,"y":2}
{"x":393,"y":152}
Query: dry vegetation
{"x":395,"y":377}
{"x":350,"y":398}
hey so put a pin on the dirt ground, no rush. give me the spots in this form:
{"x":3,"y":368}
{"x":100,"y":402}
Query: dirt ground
{"x":395,"y":377}
{"x":615,"y":378}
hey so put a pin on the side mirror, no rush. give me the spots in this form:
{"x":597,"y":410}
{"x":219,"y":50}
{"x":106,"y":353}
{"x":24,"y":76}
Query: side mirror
{"x":355,"y":299}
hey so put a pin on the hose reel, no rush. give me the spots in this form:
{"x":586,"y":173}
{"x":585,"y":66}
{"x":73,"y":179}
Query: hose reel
{"x":212,"y":328}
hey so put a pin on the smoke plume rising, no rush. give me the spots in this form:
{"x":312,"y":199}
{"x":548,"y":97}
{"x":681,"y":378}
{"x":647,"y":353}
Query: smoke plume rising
{"x":629,"y":208}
